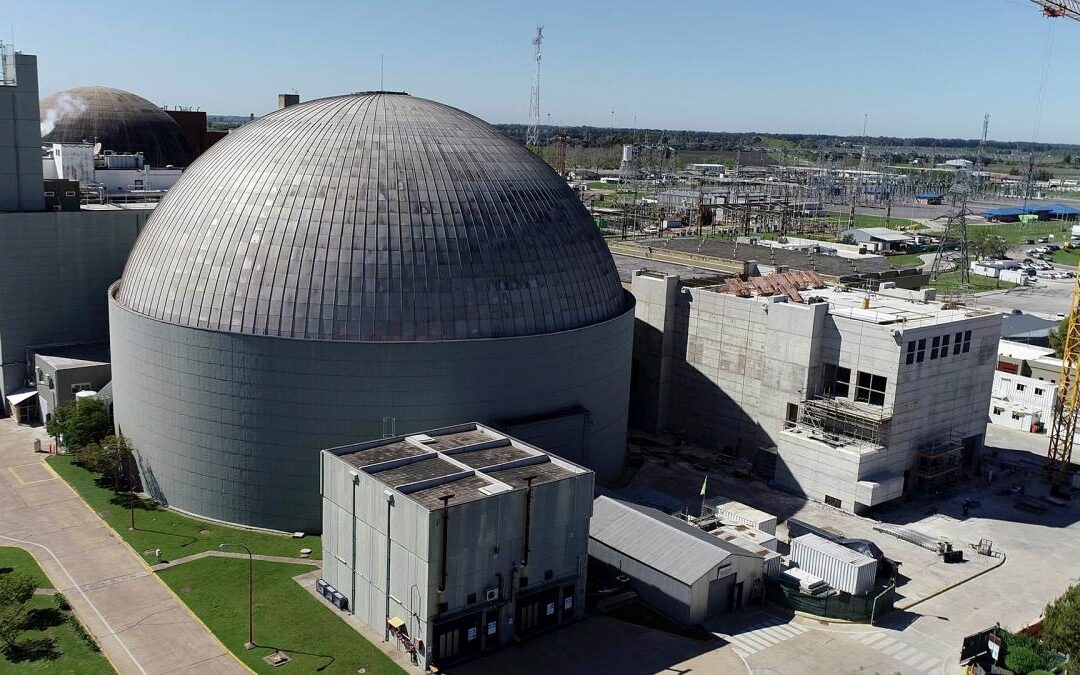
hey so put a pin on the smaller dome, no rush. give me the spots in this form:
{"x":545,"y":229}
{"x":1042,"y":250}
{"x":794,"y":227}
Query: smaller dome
{"x":119,"y":120}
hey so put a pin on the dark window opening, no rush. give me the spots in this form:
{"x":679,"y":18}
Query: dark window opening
{"x":920,"y":355}
{"x":792,"y":416}
{"x":957,"y":343}
{"x":471,"y":599}
{"x":523,"y":582}
{"x":870,"y":389}
{"x":837,"y":381}
{"x":549,"y":575}
{"x":967,"y":342}
{"x":910,"y":353}
{"x":934,"y":347}
{"x":833,"y":501}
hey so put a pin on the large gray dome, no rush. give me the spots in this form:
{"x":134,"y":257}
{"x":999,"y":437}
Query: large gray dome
{"x":372,"y":217}
{"x":119,"y":120}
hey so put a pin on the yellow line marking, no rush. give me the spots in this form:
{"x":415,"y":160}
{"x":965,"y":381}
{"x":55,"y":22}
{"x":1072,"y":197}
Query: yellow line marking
{"x":22,"y":481}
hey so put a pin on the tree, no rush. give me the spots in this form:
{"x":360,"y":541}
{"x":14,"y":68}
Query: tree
{"x":1057,"y":338}
{"x":1067,"y":159}
{"x":1061,"y":624}
{"x":15,"y":592}
{"x":988,"y":245}
{"x":80,"y":422}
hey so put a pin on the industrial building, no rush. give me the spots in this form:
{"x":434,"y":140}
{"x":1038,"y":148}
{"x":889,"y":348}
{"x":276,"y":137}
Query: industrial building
{"x":1025,"y":386}
{"x":879,"y":238}
{"x":849,"y":397}
{"x":351,"y":266}
{"x":62,"y":373}
{"x":677,"y":569}
{"x":455,"y":541}
{"x":119,"y":121}
{"x":55,"y":266}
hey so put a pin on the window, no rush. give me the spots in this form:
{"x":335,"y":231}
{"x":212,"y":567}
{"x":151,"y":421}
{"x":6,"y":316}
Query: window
{"x":470,"y":599}
{"x":833,"y":501}
{"x":967,"y":341}
{"x":1038,"y":391}
{"x":792,"y":416}
{"x":910,"y":353}
{"x":40,"y":376}
{"x":49,"y":381}
{"x":934,"y":347}
{"x":870,"y":389}
{"x":957,"y":340}
{"x":837,"y":381}
{"x":1017,"y":415}
{"x":69,"y":193}
{"x":998,"y":411}
{"x":81,"y":386}
{"x":920,"y":354}
{"x":944,"y":346}
{"x":1021,"y":387}
{"x":50,"y":194}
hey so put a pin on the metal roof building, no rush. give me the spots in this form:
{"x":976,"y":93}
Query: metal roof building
{"x":121,"y":121}
{"x":350,"y":268}
{"x":679,"y":570}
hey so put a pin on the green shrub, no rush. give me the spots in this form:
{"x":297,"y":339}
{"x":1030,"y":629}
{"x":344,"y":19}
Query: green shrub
{"x":61,"y":602}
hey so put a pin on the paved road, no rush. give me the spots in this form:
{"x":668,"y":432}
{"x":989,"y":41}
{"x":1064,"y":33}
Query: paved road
{"x":141,"y":626}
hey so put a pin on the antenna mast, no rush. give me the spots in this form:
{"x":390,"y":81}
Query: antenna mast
{"x":532,"y":137}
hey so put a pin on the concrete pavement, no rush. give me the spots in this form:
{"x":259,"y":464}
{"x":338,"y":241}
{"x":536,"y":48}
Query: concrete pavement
{"x":138,"y":622}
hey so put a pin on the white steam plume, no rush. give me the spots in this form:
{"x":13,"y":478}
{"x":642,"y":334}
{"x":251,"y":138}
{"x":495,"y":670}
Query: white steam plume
{"x":65,"y":105}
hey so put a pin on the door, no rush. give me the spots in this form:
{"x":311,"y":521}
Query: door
{"x":720,"y":599}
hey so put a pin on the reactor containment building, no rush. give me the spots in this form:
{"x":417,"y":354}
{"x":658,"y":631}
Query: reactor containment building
{"x":358,"y":267}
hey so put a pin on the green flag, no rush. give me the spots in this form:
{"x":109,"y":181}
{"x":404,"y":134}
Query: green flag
{"x":703,"y":484}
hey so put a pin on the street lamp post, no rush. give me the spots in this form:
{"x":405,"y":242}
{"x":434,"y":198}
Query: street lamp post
{"x":250,"y":644}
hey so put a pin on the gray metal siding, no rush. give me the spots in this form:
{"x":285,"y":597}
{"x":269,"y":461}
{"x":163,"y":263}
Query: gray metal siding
{"x":55,"y":269}
{"x":230,"y":426}
{"x":661,"y":592}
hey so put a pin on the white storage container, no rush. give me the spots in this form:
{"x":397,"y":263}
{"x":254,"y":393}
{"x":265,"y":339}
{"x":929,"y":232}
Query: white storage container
{"x":842,"y":568}
{"x":736,"y":513}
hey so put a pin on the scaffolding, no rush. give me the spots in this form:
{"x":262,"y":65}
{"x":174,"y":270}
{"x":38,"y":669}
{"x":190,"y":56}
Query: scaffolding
{"x":939,"y":462}
{"x":838,"y":422}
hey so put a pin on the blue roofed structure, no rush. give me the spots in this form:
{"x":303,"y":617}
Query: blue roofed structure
{"x":1052,"y":211}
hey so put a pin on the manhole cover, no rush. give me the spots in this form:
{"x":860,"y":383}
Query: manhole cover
{"x":276,"y":659}
{"x":103,"y":514}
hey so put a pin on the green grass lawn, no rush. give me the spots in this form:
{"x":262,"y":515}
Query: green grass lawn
{"x":175,"y":534}
{"x":839,"y":220}
{"x":1018,"y":233}
{"x":14,"y":559}
{"x":1068,"y":257}
{"x":50,"y":644}
{"x":286,"y":617}
{"x":949,"y":282}
{"x":597,"y":185}
{"x":905,"y":260}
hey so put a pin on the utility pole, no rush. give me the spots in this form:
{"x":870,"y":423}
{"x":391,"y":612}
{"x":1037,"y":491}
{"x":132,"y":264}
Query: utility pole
{"x":532,"y":138}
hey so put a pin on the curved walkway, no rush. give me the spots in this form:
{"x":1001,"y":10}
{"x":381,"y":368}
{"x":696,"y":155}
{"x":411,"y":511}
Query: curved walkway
{"x":141,"y":626}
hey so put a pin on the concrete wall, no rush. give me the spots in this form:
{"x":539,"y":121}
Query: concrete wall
{"x":22,"y":186}
{"x":737,"y":364}
{"x":230,"y":426}
{"x":55,"y":270}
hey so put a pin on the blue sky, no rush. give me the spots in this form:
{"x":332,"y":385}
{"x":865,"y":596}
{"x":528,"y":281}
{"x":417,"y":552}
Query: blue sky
{"x":916,"y":68}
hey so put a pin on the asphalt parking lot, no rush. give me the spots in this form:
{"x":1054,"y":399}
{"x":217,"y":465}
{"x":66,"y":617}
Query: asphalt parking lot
{"x":1045,"y":299}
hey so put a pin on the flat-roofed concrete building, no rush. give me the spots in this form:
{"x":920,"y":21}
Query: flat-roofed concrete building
{"x":853,"y":397}
{"x":455,"y":541}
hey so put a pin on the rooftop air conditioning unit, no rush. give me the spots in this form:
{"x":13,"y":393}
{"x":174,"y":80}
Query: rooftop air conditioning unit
{"x":491,"y":594}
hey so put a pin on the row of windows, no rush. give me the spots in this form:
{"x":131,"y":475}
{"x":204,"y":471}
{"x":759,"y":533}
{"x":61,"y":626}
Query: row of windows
{"x":1015,"y":415}
{"x":939,"y":347}
{"x":1022,"y":387}
{"x":869,"y":388}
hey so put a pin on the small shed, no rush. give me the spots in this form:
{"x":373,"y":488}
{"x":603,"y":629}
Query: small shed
{"x":736,"y":513}
{"x":686,"y":574}
{"x":842,"y":568}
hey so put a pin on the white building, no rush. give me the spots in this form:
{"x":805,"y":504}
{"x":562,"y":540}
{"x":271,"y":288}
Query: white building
{"x":959,"y":163}
{"x":109,"y":176}
{"x":1025,"y":386}
{"x":856,"y":398}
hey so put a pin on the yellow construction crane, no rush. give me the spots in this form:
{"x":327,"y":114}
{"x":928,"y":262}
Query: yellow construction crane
{"x":1067,"y":405}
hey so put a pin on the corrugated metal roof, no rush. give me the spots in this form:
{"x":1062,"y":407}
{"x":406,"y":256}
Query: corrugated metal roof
{"x":882,"y":233}
{"x":833,"y":550}
{"x":666,"y":544}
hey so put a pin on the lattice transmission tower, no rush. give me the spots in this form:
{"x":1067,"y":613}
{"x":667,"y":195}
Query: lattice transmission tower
{"x":532,"y":137}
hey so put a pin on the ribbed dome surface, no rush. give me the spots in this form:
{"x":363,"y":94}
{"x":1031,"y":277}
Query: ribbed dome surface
{"x":372,"y":217}
{"x":119,"y":120}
